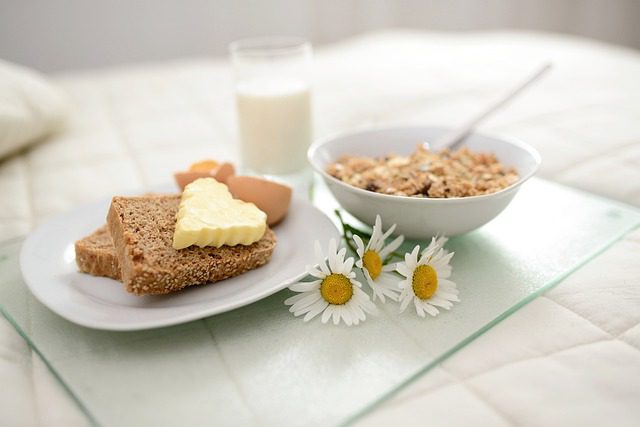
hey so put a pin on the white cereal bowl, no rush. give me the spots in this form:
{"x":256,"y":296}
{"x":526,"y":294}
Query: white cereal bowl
{"x":421,"y":218}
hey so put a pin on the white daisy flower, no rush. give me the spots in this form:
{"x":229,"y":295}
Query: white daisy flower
{"x":336,"y":294}
{"x":371,"y":260}
{"x":426,"y":279}
{"x":436,"y":243}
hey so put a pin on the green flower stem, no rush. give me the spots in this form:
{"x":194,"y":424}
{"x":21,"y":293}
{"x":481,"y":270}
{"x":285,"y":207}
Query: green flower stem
{"x":393,"y":255}
{"x":353,"y":230}
{"x":348,"y":232}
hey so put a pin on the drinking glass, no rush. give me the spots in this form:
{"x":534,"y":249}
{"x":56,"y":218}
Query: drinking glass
{"x":273,"y":99}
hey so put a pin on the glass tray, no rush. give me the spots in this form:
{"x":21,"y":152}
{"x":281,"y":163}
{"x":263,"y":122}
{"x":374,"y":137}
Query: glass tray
{"x":260,"y":365}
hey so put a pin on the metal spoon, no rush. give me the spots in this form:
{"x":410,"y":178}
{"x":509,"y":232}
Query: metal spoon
{"x":451,"y":138}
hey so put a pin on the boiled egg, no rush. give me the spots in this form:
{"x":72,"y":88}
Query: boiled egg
{"x":270,"y":197}
{"x":204,"y":169}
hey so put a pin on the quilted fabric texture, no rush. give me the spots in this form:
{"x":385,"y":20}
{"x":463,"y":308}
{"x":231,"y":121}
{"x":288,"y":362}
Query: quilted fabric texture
{"x":31,"y":108}
{"x":569,"y":358}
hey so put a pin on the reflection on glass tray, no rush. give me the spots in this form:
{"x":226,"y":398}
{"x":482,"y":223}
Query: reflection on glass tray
{"x":260,"y":364}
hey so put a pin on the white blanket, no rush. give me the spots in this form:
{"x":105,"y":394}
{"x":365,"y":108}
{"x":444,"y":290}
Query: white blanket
{"x":569,"y":358}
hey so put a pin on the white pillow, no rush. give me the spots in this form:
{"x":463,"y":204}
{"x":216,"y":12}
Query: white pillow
{"x":31,"y":108}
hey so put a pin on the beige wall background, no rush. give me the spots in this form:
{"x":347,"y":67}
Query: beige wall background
{"x":57,"y":35}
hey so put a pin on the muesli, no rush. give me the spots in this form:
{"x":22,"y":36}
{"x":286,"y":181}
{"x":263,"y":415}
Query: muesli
{"x":424,"y":173}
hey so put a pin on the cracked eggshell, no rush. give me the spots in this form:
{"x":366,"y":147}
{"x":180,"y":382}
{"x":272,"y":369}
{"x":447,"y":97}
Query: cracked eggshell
{"x":220,"y":173}
{"x":270,"y":197}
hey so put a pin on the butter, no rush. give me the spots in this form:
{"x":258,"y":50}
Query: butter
{"x":209,"y":216}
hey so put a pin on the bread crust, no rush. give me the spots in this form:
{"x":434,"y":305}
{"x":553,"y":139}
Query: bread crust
{"x":142,"y":231}
{"x":96,"y":255}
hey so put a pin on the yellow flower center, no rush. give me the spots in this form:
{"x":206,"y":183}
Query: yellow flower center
{"x":373,"y":263}
{"x":424,"y":281}
{"x":336,"y":289}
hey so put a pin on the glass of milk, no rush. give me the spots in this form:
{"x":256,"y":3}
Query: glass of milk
{"x":273,"y":98}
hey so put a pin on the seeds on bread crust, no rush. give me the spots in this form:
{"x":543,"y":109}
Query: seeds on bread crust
{"x":142,"y":231}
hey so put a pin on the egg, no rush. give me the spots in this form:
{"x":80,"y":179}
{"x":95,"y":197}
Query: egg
{"x":204,"y":165}
{"x":205,"y":169}
{"x":223,"y":172}
{"x":270,"y":197}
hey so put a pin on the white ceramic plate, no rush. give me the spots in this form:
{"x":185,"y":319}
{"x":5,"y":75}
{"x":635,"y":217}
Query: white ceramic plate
{"x":47,"y":261}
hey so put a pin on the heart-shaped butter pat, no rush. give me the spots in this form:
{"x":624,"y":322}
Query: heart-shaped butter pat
{"x":209,"y":216}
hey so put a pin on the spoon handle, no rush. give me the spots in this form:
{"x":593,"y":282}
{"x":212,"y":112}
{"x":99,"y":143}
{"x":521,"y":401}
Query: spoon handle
{"x":450,"y":138}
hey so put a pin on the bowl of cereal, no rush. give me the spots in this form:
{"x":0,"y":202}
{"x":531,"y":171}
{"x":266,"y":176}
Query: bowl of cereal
{"x":425,"y":191}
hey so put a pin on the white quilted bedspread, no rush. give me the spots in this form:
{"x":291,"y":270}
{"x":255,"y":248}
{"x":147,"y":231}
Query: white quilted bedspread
{"x":572,"y":357}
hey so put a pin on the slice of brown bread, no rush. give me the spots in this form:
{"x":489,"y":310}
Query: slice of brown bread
{"x":142,"y":231}
{"x":96,"y":255}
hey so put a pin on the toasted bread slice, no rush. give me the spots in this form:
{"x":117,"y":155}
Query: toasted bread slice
{"x":96,"y":255}
{"x":142,"y":232}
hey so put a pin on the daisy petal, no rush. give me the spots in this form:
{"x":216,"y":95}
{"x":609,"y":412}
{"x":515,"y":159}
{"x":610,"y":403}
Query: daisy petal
{"x":315,"y":310}
{"x":337,"y":313}
{"x":346,"y":316}
{"x":378,"y":222}
{"x":377,"y":290}
{"x":389,"y":267}
{"x":388,"y":278}
{"x":341,"y":254}
{"x":404,"y":287}
{"x":360,"y":294}
{"x":425,"y":257}
{"x":333,"y":246}
{"x":326,"y":314}
{"x":393,"y":296}
{"x":431,"y":310}
{"x":355,"y":283}
{"x":359,"y":245}
{"x":332,"y":256}
{"x":305,"y":286}
{"x":419,"y":308}
{"x":322,"y":264}
{"x":292,"y":300}
{"x":388,"y":233}
{"x":431,"y":249}
{"x":441,"y":258}
{"x":376,"y":234}
{"x":358,"y":312}
{"x":404,"y":269}
{"x":365,"y":302}
{"x":446,"y":293}
{"x":449,"y":297}
{"x":411,"y":259}
{"x":440,"y":302}
{"x":306,"y":302}
{"x":395,"y":244}
{"x":443,"y":272}
{"x":444,"y":283}
{"x":405,"y":302}
{"x":315,"y":272}
{"x":369,"y":307}
{"x":347,"y":266}
{"x":441,"y":241}
{"x":388,"y":285}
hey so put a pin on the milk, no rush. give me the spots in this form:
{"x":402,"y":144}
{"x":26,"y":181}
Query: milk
{"x":274,"y":124}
